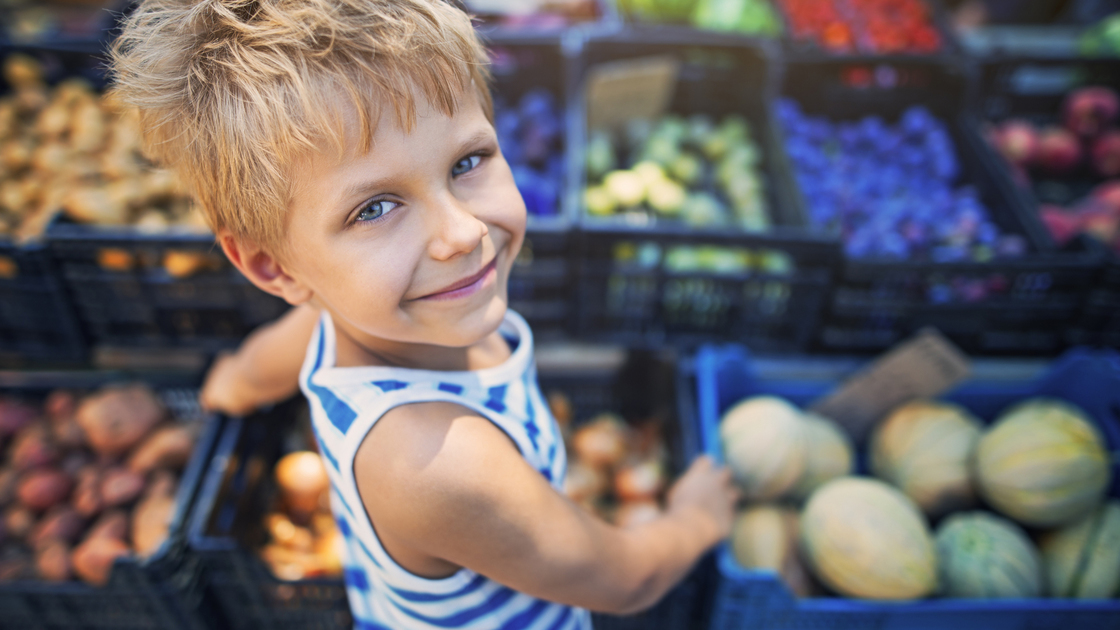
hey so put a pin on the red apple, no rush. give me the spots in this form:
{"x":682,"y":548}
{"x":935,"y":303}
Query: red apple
{"x":1062,"y":224}
{"x":1106,"y":153}
{"x":1090,"y":110}
{"x":1017,"y":140}
{"x":1058,"y":150}
{"x":1109,"y":194}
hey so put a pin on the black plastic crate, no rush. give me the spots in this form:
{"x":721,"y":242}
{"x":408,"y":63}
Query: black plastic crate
{"x":163,"y":591}
{"x":1021,"y":305}
{"x":125,"y":297}
{"x":642,"y":285}
{"x":226,"y":526}
{"x":540,"y":285}
{"x":1033,"y":87}
{"x":38,"y":324}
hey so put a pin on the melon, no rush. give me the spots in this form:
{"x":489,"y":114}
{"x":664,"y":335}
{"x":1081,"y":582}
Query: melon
{"x":924,"y":448}
{"x":828,"y":454}
{"x":1042,"y":463}
{"x":1083,"y":559}
{"x":982,"y":555}
{"x":864,"y":538}
{"x":765,"y":537}
{"x":763,"y":441}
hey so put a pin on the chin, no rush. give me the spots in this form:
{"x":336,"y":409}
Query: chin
{"x":476,"y":325}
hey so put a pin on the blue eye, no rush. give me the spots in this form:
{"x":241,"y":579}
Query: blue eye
{"x":465,"y":164}
{"x":375,"y":210}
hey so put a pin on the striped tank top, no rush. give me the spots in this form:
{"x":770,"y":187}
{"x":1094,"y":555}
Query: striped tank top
{"x":347,"y":402}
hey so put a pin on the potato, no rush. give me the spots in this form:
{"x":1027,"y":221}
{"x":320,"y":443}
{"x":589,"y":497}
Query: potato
{"x":114,"y":259}
{"x":115,"y":419}
{"x":18,"y":521}
{"x":167,"y":447}
{"x":54,"y":120}
{"x":91,"y":204}
{"x":52,"y":562}
{"x":60,"y":523}
{"x":23,"y":71}
{"x":93,"y":559}
{"x":32,"y":448}
{"x":87,"y":126}
{"x":151,"y":520}
{"x":183,"y":264}
{"x":60,"y":404}
{"x":67,"y":434}
{"x":87,"y":495}
{"x":285,"y":533}
{"x":120,"y":486}
{"x":43,"y":488}
{"x":111,"y":524}
{"x":302,"y":480}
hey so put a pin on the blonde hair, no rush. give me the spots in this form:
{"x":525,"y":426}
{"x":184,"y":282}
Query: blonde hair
{"x":231,"y":93}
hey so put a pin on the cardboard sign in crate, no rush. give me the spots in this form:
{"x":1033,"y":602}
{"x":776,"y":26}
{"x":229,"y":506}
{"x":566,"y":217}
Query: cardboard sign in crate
{"x":748,"y":599}
{"x":1006,"y":305}
{"x":163,"y":591}
{"x":664,"y":280}
{"x":227,"y":527}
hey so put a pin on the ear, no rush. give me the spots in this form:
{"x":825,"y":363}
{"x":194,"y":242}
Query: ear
{"x":263,"y":269}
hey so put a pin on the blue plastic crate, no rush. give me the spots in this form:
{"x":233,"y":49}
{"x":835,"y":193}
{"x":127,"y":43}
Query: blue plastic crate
{"x":758,"y":599}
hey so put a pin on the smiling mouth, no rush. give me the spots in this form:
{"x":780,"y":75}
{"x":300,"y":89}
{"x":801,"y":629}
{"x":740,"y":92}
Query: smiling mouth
{"x":465,"y":286}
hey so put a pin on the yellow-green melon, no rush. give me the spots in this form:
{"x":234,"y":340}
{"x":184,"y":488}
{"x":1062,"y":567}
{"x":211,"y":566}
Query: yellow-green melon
{"x":1043,"y":463}
{"x":981,"y":555}
{"x":765,"y":537}
{"x":925,"y":448}
{"x":1083,"y":559}
{"x":864,"y":538}
{"x":763,"y":441}
{"x":828,"y":454}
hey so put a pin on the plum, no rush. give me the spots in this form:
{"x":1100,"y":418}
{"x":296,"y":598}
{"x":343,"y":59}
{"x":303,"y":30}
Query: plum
{"x":1088,"y":111}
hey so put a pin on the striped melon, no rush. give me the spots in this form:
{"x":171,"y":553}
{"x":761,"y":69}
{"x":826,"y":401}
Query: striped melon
{"x":864,"y":538}
{"x":765,"y":537}
{"x":983,"y":555}
{"x":764,"y":445}
{"x":828,"y":454}
{"x":1083,"y":559}
{"x":925,"y":448}
{"x":1042,"y":463}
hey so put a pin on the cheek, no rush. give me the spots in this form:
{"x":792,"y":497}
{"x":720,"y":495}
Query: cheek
{"x":366,"y":273}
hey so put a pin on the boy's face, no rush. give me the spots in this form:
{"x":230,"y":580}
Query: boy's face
{"x":412,"y":242}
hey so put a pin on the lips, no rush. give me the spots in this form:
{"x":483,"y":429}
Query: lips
{"x":464,"y":283}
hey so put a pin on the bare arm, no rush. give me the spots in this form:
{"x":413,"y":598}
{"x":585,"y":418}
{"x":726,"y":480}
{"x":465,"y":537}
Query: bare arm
{"x":451,"y":486}
{"x":265,"y":369}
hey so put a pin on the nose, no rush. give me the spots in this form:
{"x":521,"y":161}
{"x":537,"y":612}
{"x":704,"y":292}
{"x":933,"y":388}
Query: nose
{"x":455,"y":230}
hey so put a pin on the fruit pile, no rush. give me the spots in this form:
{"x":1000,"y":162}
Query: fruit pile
{"x":1041,"y":465}
{"x":1061,"y":161}
{"x":616,"y":470}
{"x":748,"y":17}
{"x":871,"y":26}
{"x":87,"y":479}
{"x":531,"y":135}
{"x":679,"y":170}
{"x":67,"y":149}
{"x":716,"y":260}
{"x":304,"y":539}
{"x":891,"y":191}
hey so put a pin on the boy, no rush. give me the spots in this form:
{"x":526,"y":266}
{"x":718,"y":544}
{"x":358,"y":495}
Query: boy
{"x":344,"y":154}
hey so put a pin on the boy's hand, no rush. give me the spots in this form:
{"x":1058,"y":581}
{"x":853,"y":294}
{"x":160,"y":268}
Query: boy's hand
{"x":705,"y":492}
{"x":221,"y":392}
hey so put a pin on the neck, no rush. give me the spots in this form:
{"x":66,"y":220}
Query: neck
{"x":355,"y":350}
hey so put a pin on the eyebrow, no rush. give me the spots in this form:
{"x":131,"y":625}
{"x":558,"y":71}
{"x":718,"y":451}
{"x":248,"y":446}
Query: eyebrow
{"x":368,"y":187}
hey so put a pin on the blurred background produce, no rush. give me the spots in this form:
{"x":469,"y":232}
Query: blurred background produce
{"x":696,"y":171}
{"x":745,"y":17}
{"x":87,"y":477}
{"x":882,"y":27}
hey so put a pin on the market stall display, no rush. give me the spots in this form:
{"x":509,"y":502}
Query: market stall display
{"x":882,"y":27}
{"x":611,"y":416}
{"x":886,"y":548}
{"x":98,"y":480}
{"x":921,"y":258}
{"x":745,"y":17}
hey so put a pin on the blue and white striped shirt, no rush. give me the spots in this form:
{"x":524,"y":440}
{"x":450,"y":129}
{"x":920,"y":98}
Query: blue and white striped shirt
{"x":345,"y":404}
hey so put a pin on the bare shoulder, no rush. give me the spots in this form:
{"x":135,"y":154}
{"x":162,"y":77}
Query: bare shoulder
{"x":431,"y":452}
